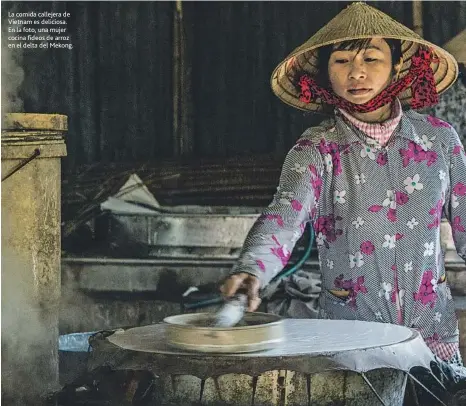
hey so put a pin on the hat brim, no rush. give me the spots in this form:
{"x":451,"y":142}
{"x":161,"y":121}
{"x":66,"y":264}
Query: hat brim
{"x":362,"y":21}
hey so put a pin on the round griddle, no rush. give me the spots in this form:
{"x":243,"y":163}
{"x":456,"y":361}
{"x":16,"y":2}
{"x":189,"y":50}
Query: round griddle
{"x":308,"y":346}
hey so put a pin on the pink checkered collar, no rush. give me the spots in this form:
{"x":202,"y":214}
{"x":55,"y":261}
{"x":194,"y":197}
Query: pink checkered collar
{"x":381,"y":132}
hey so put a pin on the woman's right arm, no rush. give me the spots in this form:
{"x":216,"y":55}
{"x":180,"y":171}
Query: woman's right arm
{"x":271,"y":240}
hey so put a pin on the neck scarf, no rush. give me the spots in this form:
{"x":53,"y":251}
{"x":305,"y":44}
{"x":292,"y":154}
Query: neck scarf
{"x":420,"y":77}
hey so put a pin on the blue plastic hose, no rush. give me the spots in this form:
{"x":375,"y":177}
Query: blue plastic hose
{"x":287,"y":272}
{"x":283,"y":274}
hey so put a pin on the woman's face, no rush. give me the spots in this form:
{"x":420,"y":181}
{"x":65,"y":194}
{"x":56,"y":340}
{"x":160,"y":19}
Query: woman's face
{"x":360,"y":75}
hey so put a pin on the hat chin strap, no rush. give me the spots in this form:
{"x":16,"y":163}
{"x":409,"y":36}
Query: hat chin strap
{"x":420,"y":77}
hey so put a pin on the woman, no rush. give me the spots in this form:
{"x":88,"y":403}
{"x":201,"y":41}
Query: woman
{"x":373,"y":180}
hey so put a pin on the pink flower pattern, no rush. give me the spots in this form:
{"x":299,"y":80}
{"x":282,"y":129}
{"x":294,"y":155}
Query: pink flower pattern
{"x":459,"y":189}
{"x":431,"y":157}
{"x":316,"y":182}
{"x":375,"y":208}
{"x":281,"y":252}
{"x":437,"y":213}
{"x":391,"y":215}
{"x":261,"y":265}
{"x":301,"y":144}
{"x":401,"y":199}
{"x":436,"y":122}
{"x":457,"y":226}
{"x":338,"y":225}
{"x":273,"y":217}
{"x":326,"y":226}
{"x":332,"y":149}
{"x":296,"y":205}
{"x":367,"y":247}
{"x":416,"y":153}
{"x":352,"y":287}
{"x":382,"y":158}
{"x":426,"y":294}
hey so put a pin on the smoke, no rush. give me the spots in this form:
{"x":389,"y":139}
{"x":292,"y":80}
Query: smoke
{"x":12,"y":73}
{"x":28,"y":334}
{"x":29,"y":298}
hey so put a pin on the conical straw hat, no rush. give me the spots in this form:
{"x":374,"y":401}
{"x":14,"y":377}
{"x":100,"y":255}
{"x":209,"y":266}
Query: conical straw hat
{"x":357,"y":21}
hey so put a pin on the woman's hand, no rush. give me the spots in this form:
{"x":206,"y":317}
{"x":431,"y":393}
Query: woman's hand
{"x":244,"y":282}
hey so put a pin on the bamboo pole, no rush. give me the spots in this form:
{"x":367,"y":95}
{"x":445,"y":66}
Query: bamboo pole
{"x":176,"y":77}
{"x":186,"y":131}
{"x":182,"y":101}
{"x":417,"y":17}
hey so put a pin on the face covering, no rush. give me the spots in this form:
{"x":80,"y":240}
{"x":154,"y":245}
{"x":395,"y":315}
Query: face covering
{"x":420,"y":77}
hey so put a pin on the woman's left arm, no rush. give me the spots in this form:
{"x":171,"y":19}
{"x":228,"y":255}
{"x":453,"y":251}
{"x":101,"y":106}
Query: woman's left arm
{"x":456,"y":201}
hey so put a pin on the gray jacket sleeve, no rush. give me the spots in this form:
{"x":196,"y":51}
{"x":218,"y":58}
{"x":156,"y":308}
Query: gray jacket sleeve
{"x":271,"y":240}
{"x":456,"y":199}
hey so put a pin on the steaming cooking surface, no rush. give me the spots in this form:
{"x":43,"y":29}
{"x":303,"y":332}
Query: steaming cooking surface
{"x":301,"y":337}
{"x":309,"y":346}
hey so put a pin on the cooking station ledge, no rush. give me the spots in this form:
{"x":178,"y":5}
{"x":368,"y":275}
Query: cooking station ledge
{"x":145,"y":275}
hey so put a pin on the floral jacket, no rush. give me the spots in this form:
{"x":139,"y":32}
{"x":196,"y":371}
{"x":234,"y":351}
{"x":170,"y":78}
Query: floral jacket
{"x":376,"y":212}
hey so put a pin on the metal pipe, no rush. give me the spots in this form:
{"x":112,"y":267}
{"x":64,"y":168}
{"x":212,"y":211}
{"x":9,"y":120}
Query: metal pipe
{"x":166,"y":261}
{"x":22,"y":164}
{"x":372,"y":388}
{"x":426,"y":389}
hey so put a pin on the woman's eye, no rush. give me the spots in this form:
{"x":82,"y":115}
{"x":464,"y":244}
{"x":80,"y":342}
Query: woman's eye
{"x":341,"y":60}
{"x":370,"y":59}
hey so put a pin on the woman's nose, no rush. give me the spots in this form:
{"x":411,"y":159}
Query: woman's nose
{"x":357,"y":71}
